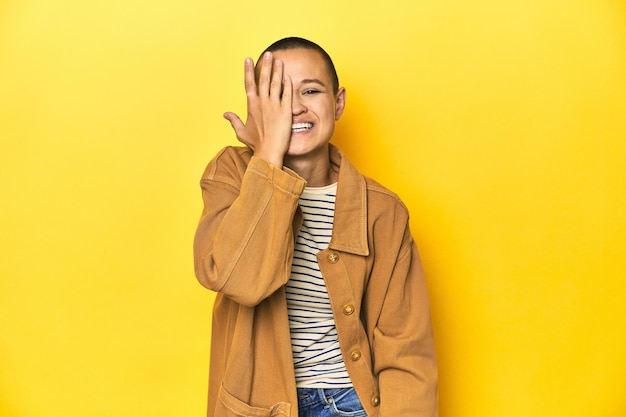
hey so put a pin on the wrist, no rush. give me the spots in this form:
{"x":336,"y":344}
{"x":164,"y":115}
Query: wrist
{"x":271,"y":157}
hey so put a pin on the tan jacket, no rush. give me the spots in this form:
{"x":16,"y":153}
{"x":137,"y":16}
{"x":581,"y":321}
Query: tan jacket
{"x":243,"y":250}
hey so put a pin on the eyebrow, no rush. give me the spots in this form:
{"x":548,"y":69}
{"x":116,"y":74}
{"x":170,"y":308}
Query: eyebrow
{"x":312,"y":81}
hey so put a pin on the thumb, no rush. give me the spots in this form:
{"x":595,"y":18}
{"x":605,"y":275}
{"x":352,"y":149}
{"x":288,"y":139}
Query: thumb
{"x":234,"y":120}
{"x":239,"y":128}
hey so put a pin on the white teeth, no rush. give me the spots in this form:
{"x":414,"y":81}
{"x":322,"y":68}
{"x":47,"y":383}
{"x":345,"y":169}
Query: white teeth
{"x":301,"y":127}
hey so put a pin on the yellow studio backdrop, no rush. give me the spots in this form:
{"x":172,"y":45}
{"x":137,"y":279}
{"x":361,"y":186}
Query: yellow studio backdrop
{"x":502,"y":125}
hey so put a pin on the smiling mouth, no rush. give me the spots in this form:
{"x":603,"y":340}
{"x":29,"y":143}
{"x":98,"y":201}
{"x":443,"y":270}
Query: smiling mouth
{"x":301,"y":127}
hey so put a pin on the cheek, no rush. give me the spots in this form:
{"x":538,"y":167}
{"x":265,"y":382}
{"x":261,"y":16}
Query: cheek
{"x":326,"y":113}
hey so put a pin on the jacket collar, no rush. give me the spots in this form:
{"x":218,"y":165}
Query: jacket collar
{"x":350,"y":224}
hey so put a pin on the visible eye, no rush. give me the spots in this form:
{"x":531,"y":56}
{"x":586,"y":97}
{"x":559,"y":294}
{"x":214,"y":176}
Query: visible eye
{"x":310,"y":91}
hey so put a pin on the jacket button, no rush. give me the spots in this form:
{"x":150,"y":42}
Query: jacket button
{"x":375,"y":400}
{"x":355,"y":355}
{"x":348,"y":309}
{"x":333,"y":258}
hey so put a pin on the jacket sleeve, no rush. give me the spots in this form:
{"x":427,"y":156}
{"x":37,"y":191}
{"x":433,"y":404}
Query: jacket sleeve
{"x":244,"y":241}
{"x":403,"y":342}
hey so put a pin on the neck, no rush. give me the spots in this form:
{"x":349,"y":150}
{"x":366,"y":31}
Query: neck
{"x":317,"y":171}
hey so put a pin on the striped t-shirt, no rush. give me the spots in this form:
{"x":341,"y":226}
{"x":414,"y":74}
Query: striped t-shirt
{"x":315,"y":345}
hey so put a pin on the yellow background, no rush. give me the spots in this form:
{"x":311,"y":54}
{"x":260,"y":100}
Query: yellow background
{"x":501,"y":124}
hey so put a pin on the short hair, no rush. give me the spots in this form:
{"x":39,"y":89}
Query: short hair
{"x":301,"y":43}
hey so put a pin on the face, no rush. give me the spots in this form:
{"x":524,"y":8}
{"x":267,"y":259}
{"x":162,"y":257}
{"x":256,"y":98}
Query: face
{"x":315,"y":107}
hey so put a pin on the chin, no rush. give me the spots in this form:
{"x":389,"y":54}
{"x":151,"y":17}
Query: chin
{"x":295,"y":151}
{"x":298,"y":148}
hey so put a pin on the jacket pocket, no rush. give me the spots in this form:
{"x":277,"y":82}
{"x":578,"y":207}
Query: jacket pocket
{"x":230,"y":406}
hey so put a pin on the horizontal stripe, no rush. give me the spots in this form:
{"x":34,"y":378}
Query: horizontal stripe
{"x":315,"y":345}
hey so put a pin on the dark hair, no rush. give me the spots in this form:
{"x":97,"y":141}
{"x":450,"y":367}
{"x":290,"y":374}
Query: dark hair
{"x":301,"y":43}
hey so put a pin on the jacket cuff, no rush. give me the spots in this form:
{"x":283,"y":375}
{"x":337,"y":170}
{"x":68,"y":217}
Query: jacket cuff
{"x":285,"y":179}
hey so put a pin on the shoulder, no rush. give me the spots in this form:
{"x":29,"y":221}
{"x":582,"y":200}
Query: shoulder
{"x":385,"y":208}
{"x":379,"y":195}
{"x":388,"y":217}
{"x":379,"y":198}
{"x":227,"y":167}
{"x":230,"y":162}
{"x":227,"y":160}
{"x":374,"y":188}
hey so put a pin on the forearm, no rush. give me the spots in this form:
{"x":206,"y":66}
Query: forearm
{"x":404,"y":347}
{"x":244,"y":242}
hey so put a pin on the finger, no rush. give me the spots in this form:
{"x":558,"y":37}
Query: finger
{"x":287,"y":96}
{"x":248,"y":77}
{"x":276,"y":85}
{"x":265,"y":74}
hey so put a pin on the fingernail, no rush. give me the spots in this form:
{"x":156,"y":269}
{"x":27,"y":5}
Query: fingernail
{"x":267,"y":55}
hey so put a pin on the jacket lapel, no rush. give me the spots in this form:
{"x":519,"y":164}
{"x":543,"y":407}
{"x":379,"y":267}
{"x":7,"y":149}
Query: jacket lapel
{"x":350,"y":225}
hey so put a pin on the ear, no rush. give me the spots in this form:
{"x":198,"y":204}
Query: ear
{"x":340,"y":102}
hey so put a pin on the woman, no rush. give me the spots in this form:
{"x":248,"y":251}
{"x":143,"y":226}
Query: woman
{"x":322,"y":307}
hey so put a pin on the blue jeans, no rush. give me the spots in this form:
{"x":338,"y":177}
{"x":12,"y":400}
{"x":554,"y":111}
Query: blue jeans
{"x":333,"y":402}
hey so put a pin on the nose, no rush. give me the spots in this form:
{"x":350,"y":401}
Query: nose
{"x":297,"y":107}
